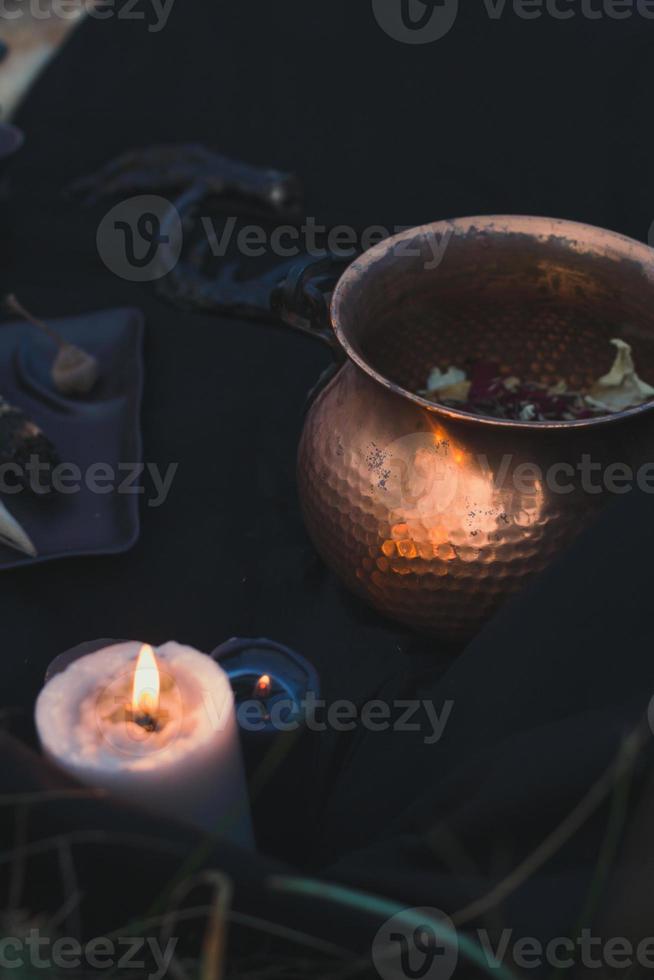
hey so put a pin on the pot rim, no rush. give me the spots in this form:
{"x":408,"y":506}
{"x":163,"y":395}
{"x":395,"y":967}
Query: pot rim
{"x":576,"y":234}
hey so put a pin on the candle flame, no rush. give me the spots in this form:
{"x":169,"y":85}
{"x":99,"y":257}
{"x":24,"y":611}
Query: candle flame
{"x":145,"y":692}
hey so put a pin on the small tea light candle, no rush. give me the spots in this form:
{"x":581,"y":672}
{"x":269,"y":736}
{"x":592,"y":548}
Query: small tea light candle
{"x":154,"y":727}
{"x":277,"y":692}
{"x":274,"y":678}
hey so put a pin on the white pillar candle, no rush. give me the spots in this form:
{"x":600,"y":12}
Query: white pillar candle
{"x":156,"y":728}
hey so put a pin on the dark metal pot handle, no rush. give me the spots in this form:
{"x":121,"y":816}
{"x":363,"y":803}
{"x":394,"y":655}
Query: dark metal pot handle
{"x":302,"y":299}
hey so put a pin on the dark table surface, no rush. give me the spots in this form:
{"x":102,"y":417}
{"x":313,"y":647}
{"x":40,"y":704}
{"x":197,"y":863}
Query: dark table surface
{"x":508,"y":115}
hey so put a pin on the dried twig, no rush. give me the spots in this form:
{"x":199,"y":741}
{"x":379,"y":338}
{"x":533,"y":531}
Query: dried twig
{"x":270,"y":763}
{"x":73,"y":895}
{"x":625,"y":760}
{"x":17,"y":880}
{"x":214,"y":946}
{"x":12,"y":305}
{"x":256,"y":923}
{"x":47,"y":796}
{"x":45,"y":845}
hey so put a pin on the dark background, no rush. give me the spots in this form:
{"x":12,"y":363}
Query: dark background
{"x":541,"y":117}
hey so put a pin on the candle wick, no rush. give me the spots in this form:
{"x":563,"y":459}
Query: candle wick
{"x":146,"y":722}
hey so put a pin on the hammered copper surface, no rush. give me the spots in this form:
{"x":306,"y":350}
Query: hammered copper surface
{"x":424,"y":511}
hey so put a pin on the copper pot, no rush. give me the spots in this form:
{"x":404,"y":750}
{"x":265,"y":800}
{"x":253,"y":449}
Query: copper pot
{"x":430,"y":513}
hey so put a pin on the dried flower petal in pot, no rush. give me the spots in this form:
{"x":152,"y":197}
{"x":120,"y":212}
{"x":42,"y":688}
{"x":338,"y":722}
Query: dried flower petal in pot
{"x":482,"y":390}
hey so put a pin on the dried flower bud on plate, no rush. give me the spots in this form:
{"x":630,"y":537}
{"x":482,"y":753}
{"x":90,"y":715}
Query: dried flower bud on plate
{"x":21,"y":442}
{"x":74,"y":372}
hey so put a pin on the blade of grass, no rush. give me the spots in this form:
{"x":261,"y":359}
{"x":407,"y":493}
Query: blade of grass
{"x":271,"y":761}
{"x":372,"y":904}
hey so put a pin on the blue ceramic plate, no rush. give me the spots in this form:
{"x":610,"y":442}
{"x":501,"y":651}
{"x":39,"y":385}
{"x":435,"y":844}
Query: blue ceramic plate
{"x":103,"y":427}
